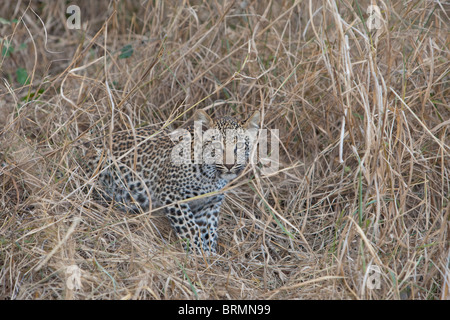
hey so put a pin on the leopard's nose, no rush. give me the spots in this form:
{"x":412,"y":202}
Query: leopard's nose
{"x":228,"y":166}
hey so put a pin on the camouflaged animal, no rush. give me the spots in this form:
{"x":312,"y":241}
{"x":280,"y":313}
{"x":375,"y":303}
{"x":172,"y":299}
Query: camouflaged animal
{"x":143,"y":167}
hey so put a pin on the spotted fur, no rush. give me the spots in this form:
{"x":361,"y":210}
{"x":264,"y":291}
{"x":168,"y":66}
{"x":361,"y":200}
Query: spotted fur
{"x":137,"y":171}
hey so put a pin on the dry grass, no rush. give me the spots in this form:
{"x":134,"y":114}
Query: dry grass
{"x":378,"y":100}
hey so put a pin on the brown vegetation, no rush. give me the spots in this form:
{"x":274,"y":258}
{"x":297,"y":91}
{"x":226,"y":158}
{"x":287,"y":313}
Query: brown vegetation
{"x":318,"y":228}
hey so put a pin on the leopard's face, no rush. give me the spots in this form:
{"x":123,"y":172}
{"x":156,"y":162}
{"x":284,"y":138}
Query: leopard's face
{"x":228,"y":144}
{"x":231,"y":146}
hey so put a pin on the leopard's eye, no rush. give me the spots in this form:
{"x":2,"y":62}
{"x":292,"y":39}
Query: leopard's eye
{"x":240,"y":145}
{"x":217,"y":145}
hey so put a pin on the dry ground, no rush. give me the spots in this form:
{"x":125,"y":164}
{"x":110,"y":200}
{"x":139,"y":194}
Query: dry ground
{"x":358,"y":209}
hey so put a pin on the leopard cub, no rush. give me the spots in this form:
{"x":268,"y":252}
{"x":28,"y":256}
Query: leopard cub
{"x":147,"y":167}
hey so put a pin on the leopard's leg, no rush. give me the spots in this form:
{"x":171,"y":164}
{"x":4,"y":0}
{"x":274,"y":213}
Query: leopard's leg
{"x":182,"y":220}
{"x":207,"y":218}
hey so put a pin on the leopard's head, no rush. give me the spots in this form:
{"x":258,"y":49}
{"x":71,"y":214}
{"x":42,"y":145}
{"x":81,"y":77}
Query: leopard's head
{"x":227,"y":142}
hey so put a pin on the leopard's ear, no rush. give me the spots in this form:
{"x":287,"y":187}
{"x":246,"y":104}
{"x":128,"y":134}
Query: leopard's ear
{"x":204,"y":118}
{"x":253,"y":121}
